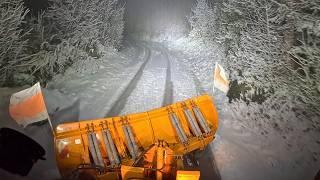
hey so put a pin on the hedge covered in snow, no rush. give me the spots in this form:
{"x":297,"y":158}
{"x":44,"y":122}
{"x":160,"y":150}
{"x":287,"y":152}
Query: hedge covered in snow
{"x":273,"y":45}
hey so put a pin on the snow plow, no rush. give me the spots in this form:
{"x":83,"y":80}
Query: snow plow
{"x":158,"y":144}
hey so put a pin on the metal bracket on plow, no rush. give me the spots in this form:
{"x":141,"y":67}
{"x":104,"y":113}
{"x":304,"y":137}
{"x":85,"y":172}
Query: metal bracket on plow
{"x":109,"y":144}
{"x":132,"y":145}
{"x":177,"y":126}
{"x":94,"y":146}
{"x":203,"y":123}
{"x":192,"y":121}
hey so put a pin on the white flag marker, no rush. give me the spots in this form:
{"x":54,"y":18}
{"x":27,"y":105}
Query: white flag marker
{"x":28,"y":106}
{"x":220,"y":80}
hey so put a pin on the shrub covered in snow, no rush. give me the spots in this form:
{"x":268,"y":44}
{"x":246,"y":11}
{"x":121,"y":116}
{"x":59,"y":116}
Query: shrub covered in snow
{"x":68,"y":31}
{"x":73,"y":30}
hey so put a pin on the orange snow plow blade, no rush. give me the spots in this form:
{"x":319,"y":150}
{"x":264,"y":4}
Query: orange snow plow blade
{"x":151,"y":144}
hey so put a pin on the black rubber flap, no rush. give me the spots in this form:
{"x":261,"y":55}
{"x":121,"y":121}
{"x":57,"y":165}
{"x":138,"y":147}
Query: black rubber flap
{"x":18,"y":152}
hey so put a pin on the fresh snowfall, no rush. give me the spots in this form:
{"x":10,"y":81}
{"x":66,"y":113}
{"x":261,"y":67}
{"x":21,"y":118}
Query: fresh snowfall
{"x":104,"y":58}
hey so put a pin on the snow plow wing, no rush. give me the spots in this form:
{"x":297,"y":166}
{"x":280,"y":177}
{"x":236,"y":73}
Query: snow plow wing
{"x":153,"y":144}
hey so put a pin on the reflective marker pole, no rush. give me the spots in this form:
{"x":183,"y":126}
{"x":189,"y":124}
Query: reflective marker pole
{"x":49,"y":119}
{"x":50,"y":124}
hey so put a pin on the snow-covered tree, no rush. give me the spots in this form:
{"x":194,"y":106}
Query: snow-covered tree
{"x":12,"y":45}
{"x":273,"y":45}
{"x":87,"y":23}
{"x":277,"y":47}
{"x":304,"y":64}
{"x":202,"y":21}
{"x":257,"y":54}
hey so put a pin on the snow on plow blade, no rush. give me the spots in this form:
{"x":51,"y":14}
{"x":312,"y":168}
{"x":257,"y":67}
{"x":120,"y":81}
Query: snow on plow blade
{"x":151,"y":144}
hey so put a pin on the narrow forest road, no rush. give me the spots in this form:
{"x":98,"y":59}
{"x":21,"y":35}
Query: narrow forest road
{"x":160,"y":81}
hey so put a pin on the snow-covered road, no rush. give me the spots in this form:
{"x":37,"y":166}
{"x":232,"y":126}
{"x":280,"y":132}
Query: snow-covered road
{"x":161,"y":80}
{"x":150,"y":78}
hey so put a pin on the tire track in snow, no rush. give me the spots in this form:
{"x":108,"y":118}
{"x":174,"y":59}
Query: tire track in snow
{"x":122,"y":100}
{"x":208,"y":165}
{"x":183,"y":76}
{"x":184,"y":86}
{"x":149,"y":93}
{"x":199,"y":89}
{"x":168,"y":94}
